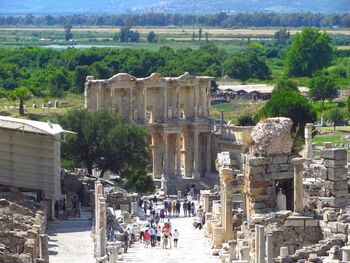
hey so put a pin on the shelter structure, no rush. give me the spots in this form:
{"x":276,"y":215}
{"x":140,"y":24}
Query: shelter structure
{"x":30,"y":158}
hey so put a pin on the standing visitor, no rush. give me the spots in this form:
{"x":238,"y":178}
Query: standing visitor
{"x":166,"y":204}
{"x":178,"y":207}
{"x":193,"y":209}
{"x":64,"y":209}
{"x":56,"y":210}
{"x":176,"y":237}
{"x":159,"y":234}
{"x":145,"y":207}
{"x":153,"y":235}
{"x":174,"y":208}
{"x":189,"y":208}
{"x":198,"y":222}
{"x":162,"y":215}
{"x":147,"y":238}
{"x":184,"y":207}
{"x":170,"y":208}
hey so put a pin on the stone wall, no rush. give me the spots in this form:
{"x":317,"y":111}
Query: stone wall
{"x":21,"y":224}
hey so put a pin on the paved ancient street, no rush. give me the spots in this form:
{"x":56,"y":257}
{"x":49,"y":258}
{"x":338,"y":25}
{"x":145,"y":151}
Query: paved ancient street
{"x":71,"y":241}
{"x":193,"y":247}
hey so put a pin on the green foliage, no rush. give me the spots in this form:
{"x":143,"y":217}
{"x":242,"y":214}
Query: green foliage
{"x":68,"y":35}
{"x":127,"y":35}
{"x":151,"y":37}
{"x":105,"y":141}
{"x":289,"y":104}
{"x":22,"y":94}
{"x":348,"y":104}
{"x":282,"y":37}
{"x":250,"y":63}
{"x":139,"y":181}
{"x":285,"y":84}
{"x":310,"y":51}
{"x":323,"y":87}
{"x":335,"y":116}
{"x":246,"y":120}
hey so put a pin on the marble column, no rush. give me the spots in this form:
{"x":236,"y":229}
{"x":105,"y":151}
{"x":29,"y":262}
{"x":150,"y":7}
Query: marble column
{"x":178,"y":154}
{"x":166,"y":156}
{"x":262,"y":250}
{"x":145,"y":105}
{"x":205,"y":197}
{"x":44,"y":247}
{"x":226,"y":177}
{"x":208,"y":154}
{"x":165,"y":92}
{"x":269,"y":249}
{"x":257,"y":239}
{"x":196,"y":173}
{"x":98,"y":193}
{"x":102,"y":227}
{"x":177,"y":102}
{"x":196,"y":97}
{"x":298,"y":184}
{"x":131,"y":105}
{"x":308,"y":141}
{"x":281,"y":201}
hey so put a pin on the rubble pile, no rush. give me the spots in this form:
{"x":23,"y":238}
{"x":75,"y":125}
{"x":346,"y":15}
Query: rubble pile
{"x":21,"y":222}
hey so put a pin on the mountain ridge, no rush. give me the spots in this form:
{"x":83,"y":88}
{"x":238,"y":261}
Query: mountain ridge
{"x":41,"y":7}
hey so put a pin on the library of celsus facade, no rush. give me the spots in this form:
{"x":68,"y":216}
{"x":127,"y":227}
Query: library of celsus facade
{"x":176,"y":112}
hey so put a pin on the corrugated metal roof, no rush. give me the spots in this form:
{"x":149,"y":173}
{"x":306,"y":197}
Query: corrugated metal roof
{"x":262,"y":88}
{"x":30,"y":126}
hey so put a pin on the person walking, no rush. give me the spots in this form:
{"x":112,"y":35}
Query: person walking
{"x":193,"y":209}
{"x":159,"y":234}
{"x":198,"y":222}
{"x":153,"y":235}
{"x":166,"y":204}
{"x":147,"y":238}
{"x":175,"y":237}
{"x":170,"y":209}
{"x":162,"y":215}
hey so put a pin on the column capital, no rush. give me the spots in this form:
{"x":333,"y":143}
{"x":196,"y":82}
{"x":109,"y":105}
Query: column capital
{"x":298,"y":161}
{"x":226,"y":174}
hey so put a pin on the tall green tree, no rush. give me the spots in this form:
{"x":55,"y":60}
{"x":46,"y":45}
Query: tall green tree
{"x":68,"y":35}
{"x":151,"y":37}
{"x":311,"y":50}
{"x":335,"y":116}
{"x":292,"y":104}
{"x":285,"y":84}
{"x":323,"y":87}
{"x":105,"y":141}
{"x":21,"y":94}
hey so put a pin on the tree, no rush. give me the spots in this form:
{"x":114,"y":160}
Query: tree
{"x":335,"y":116}
{"x":323,"y":87}
{"x":151,"y":37}
{"x":245,"y":120}
{"x":105,"y":141}
{"x":285,"y":84}
{"x":282,"y":37}
{"x":289,"y":104}
{"x":127,"y":35}
{"x":22,"y":94}
{"x":68,"y":35}
{"x":310,"y":51}
{"x":199,"y":34}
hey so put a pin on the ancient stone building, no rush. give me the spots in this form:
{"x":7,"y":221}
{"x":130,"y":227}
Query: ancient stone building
{"x":176,"y":111}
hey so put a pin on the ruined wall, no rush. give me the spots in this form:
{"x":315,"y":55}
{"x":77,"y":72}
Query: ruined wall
{"x":21,"y":223}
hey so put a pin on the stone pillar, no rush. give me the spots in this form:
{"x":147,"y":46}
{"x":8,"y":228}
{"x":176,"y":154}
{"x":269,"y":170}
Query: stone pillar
{"x":178,"y":155}
{"x":308,"y":141}
{"x":177,"y":102}
{"x":322,"y":120}
{"x":165,"y":90}
{"x":233,"y":246}
{"x":226,"y":177}
{"x":44,"y":247}
{"x":298,"y":184}
{"x":284,"y":252}
{"x":257,"y":239}
{"x":164,"y":186}
{"x":217,"y":236}
{"x":113,"y":253}
{"x":205,"y":198}
{"x":346,"y":253}
{"x":281,"y":201}
{"x":262,"y":250}
{"x":166,"y":156}
{"x":196,"y":173}
{"x":209,"y":153}
{"x":244,"y":253}
{"x":269,"y":249}
{"x":102,"y":227}
{"x":134,"y":208}
{"x":98,"y":193}
{"x":179,"y":194}
{"x":131,"y":105}
{"x":196,"y":96}
{"x":144,"y":105}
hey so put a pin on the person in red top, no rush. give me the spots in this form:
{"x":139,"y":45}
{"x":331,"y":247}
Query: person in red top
{"x":162,"y":215}
{"x":170,"y":208}
{"x":147,"y":238}
{"x":166,"y":234}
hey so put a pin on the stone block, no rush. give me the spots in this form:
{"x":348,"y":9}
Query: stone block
{"x":258,"y":205}
{"x":273,"y":168}
{"x":257,"y":161}
{"x":340,"y":202}
{"x":283,"y":175}
{"x":334,"y":154}
{"x":280,"y":159}
{"x":324,"y":173}
{"x":311,"y":223}
{"x":284,"y":167}
{"x":342,"y":228}
{"x":256,"y":169}
{"x":257,"y":191}
{"x":334,"y":163}
{"x":259,"y":183}
{"x":294,"y":223}
{"x":340,"y":193}
{"x":339,"y":173}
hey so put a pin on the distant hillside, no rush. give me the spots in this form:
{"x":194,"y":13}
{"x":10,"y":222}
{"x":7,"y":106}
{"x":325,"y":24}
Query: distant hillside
{"x":170,"y":6}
